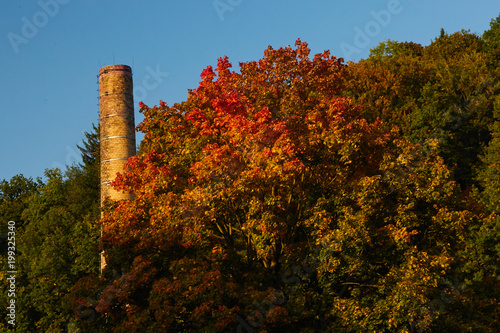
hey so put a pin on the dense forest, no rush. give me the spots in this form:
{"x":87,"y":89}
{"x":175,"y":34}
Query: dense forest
{"x":299,"y":193}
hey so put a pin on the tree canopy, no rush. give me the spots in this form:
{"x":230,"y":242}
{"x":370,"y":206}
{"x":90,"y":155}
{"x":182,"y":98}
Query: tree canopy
{"x":267,"y":200}
{"x":56,"y":240}
{"x":297,"y":193}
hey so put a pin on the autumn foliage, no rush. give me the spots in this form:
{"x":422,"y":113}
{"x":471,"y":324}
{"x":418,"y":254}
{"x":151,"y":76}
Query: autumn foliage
{"x":268,"y":201}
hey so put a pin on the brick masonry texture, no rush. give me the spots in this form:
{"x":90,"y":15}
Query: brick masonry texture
{"x":117,"y":126}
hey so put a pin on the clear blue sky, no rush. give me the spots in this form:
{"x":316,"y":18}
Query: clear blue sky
{"x":51,"y":52}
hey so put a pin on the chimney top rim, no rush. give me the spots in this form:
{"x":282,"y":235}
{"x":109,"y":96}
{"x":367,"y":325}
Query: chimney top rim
{"x":115,"y":67}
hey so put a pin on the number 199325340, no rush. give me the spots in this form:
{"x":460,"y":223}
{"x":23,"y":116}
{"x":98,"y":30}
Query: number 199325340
{"x":11,"y":245}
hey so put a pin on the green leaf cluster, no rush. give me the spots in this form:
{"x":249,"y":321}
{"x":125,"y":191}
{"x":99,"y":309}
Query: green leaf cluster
{"x":56,"y":240}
